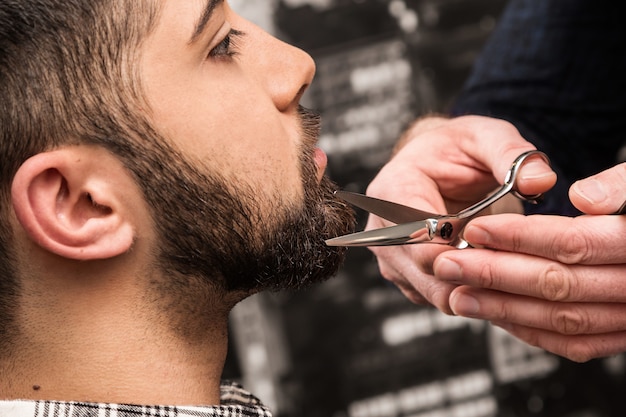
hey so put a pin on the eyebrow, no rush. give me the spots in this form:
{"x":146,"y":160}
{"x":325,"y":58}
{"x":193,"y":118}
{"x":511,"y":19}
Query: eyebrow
{"x":204,"y":18}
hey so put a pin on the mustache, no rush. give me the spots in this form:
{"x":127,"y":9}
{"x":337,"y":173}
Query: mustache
{"x":311,"y":123}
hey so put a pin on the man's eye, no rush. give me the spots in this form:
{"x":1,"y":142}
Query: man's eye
{"x":228,"y":46}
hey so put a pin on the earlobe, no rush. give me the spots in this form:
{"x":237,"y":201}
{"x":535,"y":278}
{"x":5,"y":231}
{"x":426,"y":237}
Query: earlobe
{"x":68,"y":205}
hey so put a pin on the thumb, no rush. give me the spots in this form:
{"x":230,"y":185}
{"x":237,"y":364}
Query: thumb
{"x":498,"y":144}
{"x":535,"y":177}
{"x":603,"y":193}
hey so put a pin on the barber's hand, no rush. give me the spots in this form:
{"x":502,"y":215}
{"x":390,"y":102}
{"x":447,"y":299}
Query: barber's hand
{"x":443,"y":166}
{"x":554,"y":282}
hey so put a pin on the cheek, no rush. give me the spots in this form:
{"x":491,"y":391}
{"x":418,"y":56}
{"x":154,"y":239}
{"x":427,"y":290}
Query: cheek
{"x":226,"y":120}
{"x":270,"y":168}
{"x":260,"y":143}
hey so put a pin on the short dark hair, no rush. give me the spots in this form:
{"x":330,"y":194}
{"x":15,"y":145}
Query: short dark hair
{"x":68,"y":75}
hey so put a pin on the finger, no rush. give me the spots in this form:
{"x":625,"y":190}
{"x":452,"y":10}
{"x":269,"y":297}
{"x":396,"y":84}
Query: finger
{"x":402,"y":181}
{"x":458,"y":158}
{"x":604,"y":193}
{"x":410,"y":269}
{"x":589,"y":240}
{"x":535,"y":177}
{"x":532,"y":276}
{"x":391,"y":274}
{"x":562,"y":318}
{"x":497,"y":144}
{"x":576,"y":348}
{"x":411,"y":294}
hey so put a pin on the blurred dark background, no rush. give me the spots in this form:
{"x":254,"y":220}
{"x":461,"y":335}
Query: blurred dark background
{"x":354,"y":346}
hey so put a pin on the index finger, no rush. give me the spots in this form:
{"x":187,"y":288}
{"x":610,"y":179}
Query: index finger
{"x":587,"y":240}
{"x":531,"y":276}
{"x":496,"y":144}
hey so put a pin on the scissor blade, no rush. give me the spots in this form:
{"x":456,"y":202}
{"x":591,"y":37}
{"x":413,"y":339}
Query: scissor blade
{"x":394,"y":235}
{"x":394,"y":212}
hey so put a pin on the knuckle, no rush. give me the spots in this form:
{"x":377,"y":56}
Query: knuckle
{"x":503,"y":313}
{"x":413,"y":296}
{"x":573,"y":247}
{"x":488,"y":276}
{"x":554,"y":283}
{"x":515,"y":240}
{"x":439,"y":296}
{"x":500,"y":125}
{"x":508,"y":128}
{"x":571,"y":321}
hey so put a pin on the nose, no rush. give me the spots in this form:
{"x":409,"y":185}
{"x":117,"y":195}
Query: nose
{"x":285,"y":71}
{"x":293,"y":72}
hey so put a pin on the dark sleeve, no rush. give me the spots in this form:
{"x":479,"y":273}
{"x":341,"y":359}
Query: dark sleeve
{"x":557,"y":70}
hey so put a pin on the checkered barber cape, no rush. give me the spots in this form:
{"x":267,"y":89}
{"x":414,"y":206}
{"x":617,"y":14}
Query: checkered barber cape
{"x":235,"y":402}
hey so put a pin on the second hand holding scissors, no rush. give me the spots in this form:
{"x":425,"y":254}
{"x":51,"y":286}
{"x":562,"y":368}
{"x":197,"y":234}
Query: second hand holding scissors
{"x":416,"y":226}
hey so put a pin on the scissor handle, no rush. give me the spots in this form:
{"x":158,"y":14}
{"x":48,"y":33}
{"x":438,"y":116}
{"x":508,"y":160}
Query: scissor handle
{"x":507,"y":187}
{"x":511,"y":176}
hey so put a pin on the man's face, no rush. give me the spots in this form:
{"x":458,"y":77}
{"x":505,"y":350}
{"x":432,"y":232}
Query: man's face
{"x":227,"y":94}
{"x":244,"y":202}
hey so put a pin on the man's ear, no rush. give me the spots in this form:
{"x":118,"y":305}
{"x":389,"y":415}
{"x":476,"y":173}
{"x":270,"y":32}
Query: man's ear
{"x":70,"y":202}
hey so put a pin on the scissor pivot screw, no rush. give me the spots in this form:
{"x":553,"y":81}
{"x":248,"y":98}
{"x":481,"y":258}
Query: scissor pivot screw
{"x":446,"y":230}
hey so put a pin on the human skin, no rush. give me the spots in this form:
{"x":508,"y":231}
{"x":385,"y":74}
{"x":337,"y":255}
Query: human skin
{"x":554,"y":282}
{"x":256,"y":80}
{"x":98,"y":320}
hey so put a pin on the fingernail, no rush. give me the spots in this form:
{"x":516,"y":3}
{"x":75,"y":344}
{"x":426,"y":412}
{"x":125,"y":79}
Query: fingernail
{"x":477,"y":236}
{"x":591,"y":190}
{"x":448,"y":270}
{"x":464,"y":305}
{"x":535,"y":170}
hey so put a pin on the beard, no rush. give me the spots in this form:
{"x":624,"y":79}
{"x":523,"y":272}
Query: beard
{"x":216,"y":234}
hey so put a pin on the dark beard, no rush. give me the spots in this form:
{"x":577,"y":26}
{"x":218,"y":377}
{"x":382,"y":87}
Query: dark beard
{"x":292,"y":253}
{"x":214,"y":233}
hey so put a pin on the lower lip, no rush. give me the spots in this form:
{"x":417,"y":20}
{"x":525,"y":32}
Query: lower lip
{"x":321,"y":160}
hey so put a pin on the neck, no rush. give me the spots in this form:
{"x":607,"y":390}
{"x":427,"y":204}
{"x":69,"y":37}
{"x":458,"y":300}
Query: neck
{"x":113,"y":349}
{"x":127,"y":373}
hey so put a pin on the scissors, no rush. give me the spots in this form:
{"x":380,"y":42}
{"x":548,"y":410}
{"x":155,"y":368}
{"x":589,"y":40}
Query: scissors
{"x":417,"y":226}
